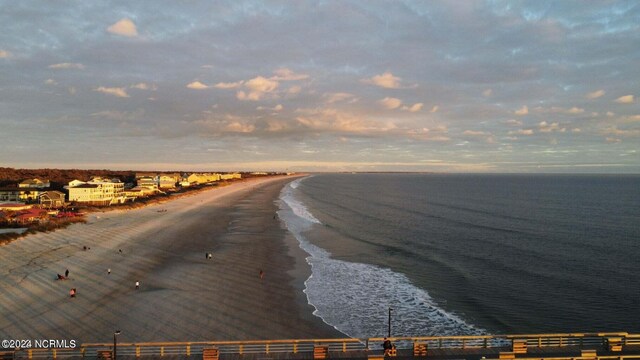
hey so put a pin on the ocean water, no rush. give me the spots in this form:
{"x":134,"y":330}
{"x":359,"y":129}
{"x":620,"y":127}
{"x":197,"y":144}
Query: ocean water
{"x":469,"y":254}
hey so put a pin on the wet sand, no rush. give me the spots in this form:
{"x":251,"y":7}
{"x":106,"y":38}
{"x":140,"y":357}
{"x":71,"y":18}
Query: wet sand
{"x":183,"y":296}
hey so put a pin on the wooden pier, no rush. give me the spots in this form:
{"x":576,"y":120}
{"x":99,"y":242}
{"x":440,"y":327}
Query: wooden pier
{"x":573,"y":346}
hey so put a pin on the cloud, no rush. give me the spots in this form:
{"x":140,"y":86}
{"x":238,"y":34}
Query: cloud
{"x":613,"y":130}
{"x":522,"y":111}
{"x":386,"y":80}
{"x":50,"y":82}
{"x":545,"y":127}
{"x":67,"y":66}
{"x":434,"y":109}
{"x":594,"y":95}
{"x":475,"y":133}
{"x":258,"y":88}
{"x":229,"y":85}
{"x":437,"y":134}
{"x":278,"y":107}
{"x":119,"y":92}
{"x":4,"y":54}
{"x":284,"y":74}
{"x":239,"y":127}
{"x":627,"y":99}
{"x":514,"y":122}
{"x":295,"y":89}
{"x":487,"y":92}
{"x":337,"y":97}
{"x":521,"y":132}
{"x":575,"y":110}
{"x":144,"y":86}
{"x":261,"y":84}
{"x":335,"y":120}
{"x":197,"y":85}
{"x":413,"y":108}
{"x":124,"y":27}
{"x":390,"y":103}
{"x":120,"y":115}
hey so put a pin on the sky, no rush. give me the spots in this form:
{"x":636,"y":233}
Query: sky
{"x":436,"y":86}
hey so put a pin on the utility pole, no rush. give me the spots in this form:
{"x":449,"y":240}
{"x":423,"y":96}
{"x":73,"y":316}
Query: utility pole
{"x":115,"y":349}
{"x":389,"y":332}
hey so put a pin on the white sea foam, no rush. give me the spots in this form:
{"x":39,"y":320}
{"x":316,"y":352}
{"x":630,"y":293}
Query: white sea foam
{"x":355,"y":297}
{"x":296,"y":206}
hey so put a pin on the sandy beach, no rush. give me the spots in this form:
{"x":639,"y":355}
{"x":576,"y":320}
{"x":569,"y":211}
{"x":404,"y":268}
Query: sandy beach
{"x":183,"y":296}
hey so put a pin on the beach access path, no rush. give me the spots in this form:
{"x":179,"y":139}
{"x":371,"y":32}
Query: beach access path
{"x":183,"y":296}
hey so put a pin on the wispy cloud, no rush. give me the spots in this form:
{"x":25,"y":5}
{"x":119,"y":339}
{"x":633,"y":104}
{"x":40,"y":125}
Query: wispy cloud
{"x":596,"y":94}
{"x":385,"y":80}
{"x":284,"y":74}
{"x":487,"y":92}
{"x":434,"y":109}
{"x":627,"y":99}
{"x":413,"y":108}
{"x":390,"y":103}
{"x":144,"y":86}
{"x":521,"y":132}
{"x":522,"y":111}
{"x":331,"y":98}
{"x":124,"y":27}
{"x":197,"y":85}
{"x":546,"y":127}
{"x":228,"y":85}
{"x":115,"y":91}
{"x":67,"y":66}
{"x":4,"y":54}
{"x":257,"y":87}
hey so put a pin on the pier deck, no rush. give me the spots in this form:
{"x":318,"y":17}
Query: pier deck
{"x":594,"y":346}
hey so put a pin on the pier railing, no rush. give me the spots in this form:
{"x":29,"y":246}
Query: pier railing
{"x":496,"y":342}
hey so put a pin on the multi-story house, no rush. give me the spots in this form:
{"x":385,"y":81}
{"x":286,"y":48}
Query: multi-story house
{"x":148,"y":182}
{"x":52,"y":199}
{"x":22,"y":194}
{"x":167,"y":181}
{"x":35,"y":183}
{"x":97,"y":191}
{"x":230,"y":176}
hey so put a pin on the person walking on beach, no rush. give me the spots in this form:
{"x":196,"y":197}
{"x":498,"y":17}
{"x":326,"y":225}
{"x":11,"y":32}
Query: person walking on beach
{"x":137,"y":285}
{"x":261,"y":274}
{"x":109,"y":271}
{"x":72,"y":292}
{"x":66,"y":273}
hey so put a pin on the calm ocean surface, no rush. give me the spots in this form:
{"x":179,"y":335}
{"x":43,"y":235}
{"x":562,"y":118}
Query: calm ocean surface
{"x":469,"y":254}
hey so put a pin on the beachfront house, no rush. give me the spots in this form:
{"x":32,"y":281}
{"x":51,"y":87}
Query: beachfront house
{"x":168,"y":181}
{"x":147,"y":182}
{"x":138,"y":191}
{"x":20,"y":194}
{"x":9,"y":194}
{"x":35,"y":183}
{"x":97,"y":191}
{"x":230,"y":176}
{"x":194,"y":179}
{"x":52,"y":199}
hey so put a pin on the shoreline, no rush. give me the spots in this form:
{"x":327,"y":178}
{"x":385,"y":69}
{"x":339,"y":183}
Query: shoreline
{"x":182,"y":295}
